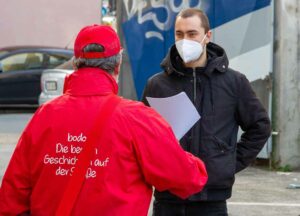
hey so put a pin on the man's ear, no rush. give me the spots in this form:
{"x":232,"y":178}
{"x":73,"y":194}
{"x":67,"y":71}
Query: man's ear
{"x":208,"y":36}
{"x":117,"y":70}
{"x":118,"y":67}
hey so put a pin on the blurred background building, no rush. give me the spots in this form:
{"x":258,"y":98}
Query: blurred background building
{"x":50,"y":23}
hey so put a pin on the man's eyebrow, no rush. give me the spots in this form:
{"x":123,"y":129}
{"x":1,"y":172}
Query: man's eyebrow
{"x":189,"y":31}
{"x":192,"y":31}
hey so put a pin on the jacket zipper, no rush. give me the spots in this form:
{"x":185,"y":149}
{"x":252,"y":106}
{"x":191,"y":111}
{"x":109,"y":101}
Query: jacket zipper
{"x":194,"y":102}
{"x":195,"y":85}
{"x":194,"y":145}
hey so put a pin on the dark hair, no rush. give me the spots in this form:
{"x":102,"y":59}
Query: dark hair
{"x":108,"y":64}
{"x":190,"y":12}
{"x":93,"y":48}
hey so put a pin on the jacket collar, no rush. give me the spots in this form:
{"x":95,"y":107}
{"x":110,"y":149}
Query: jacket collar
{"x":90,"y":81}
{"x":217,"y":60}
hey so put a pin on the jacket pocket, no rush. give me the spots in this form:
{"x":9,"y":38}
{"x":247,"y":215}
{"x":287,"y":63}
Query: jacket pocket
{"x":219,"y":159}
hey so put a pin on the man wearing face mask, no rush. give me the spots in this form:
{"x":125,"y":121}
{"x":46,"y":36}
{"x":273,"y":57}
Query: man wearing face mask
{"x":224,"y":100}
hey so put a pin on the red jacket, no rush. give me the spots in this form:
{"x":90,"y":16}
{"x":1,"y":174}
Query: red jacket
{"x":138,"y":151}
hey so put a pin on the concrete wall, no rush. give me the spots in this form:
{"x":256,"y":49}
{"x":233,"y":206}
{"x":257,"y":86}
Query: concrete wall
{"x":43,"y":22}
{"x":286,"y":88}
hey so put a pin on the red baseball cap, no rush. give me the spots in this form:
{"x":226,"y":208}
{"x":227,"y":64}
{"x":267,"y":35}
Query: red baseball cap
{"x":97,"y":34}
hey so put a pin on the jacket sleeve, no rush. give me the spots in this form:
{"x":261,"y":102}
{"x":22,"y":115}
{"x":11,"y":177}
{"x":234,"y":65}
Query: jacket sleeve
{"x":16,"y":187}
{"x":163,"y":162}
{"x":254,"y":121}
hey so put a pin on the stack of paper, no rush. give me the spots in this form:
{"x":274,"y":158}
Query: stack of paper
{"x":178,"y":111}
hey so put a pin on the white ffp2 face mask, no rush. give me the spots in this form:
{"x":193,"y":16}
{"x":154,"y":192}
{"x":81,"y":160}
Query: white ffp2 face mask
{"x":189,"y":50}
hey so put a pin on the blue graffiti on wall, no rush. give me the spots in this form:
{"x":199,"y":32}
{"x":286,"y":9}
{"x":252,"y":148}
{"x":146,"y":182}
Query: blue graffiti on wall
{"x":149,"y":28}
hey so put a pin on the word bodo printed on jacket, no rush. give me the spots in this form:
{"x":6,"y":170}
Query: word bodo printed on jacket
{"x":66,"y":156}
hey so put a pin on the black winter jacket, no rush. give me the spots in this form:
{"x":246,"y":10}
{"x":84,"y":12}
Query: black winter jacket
{"x":225,"y":101}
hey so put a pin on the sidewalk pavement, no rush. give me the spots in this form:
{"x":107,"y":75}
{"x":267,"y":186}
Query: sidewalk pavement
{"x":256,"y":192}
{"x":260,"y":192}
{"x":8,"y":142}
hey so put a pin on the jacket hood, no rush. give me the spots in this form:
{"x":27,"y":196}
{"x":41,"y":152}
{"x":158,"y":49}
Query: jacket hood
{"x":217,"y":61}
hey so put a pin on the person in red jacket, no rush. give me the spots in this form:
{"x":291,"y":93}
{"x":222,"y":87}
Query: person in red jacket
{"x":137,"y":149}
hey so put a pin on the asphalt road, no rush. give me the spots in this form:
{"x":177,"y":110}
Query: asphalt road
{"x":11,"y":127}
{"x":257,"y":191}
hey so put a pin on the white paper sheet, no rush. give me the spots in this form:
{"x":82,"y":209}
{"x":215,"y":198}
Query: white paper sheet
{"x":178,"y":111}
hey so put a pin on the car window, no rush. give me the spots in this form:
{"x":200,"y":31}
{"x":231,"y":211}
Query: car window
{"x":54,"y":60}
{"x":22,"y":61}
{"x":67,"y":65}
{"x":33,"y":61}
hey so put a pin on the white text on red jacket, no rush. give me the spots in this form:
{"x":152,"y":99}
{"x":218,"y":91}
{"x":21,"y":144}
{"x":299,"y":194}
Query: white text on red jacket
{"x":66,"y":155}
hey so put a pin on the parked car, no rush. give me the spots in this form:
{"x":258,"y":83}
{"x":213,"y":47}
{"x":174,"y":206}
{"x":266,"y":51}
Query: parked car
{"x":52,"y":81}
{"x":20,"y":72}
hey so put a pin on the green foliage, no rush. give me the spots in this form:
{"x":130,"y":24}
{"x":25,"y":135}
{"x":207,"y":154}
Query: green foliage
{"x":286,"y":168}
